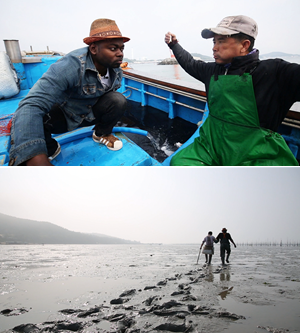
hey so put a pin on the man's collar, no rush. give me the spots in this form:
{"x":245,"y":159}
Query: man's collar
{"x":106,"y":76}
{"x":89,"y":62}
{"x":253,"y":54}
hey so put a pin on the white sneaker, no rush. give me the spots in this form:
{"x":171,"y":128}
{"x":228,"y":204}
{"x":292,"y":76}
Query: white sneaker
{"x":56,"y":153}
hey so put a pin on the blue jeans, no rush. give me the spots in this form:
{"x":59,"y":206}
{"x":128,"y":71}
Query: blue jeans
{"x":108,"y":110}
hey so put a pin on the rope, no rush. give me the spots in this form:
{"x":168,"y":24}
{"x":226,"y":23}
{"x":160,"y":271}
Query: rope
{"x":126,"y":91}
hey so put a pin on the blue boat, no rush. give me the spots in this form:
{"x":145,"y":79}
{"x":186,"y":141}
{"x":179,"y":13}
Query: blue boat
{"x":172,"y":99}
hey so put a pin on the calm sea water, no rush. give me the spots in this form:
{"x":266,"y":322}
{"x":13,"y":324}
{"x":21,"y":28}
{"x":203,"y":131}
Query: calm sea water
{"x":165,"y":71}
{"x":262,"y":282}
{"x":176,"y":71}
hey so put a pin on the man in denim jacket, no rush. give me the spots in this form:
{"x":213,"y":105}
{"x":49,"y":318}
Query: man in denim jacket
{"x":78,"y":90}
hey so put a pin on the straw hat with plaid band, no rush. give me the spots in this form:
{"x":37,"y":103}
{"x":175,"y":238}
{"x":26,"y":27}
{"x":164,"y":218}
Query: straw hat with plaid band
{"x":102,"y":29}
{"x":232,"y":25}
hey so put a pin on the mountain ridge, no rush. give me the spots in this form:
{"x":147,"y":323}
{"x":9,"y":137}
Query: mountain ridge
{"x":14,"y":230}
{"x":279,"y":54}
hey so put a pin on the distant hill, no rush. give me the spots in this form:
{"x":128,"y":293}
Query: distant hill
{"x":279,"y":55}
{"x":294,"y":58}
{"x":15,"y":230}
{"x":271,"y":55}
{"x":202,"y":57}
{"x":173,"y":61}
{"x":285,"y":56}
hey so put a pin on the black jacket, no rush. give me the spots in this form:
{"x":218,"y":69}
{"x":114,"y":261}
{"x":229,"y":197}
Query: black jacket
{"x":276,"y":82}
{"x":224,"y":240}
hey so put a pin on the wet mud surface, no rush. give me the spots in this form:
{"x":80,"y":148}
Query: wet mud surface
{"x":148,"y":289}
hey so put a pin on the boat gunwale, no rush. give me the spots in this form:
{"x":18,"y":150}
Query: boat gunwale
{"x":170,"y":83}
{"x":189,"y":87}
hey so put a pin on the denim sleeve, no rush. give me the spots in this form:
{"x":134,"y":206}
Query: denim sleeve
{"x":27,"y":131}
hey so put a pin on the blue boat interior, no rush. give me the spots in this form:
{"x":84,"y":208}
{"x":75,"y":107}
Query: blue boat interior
{"x":168,"y":114}
{"x":78,"y":148}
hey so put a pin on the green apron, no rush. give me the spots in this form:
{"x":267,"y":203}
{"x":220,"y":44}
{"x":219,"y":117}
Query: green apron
{"x":232,"y":135}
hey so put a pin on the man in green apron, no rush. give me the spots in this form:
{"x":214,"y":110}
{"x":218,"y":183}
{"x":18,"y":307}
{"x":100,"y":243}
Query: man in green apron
{"x":247,"y":99}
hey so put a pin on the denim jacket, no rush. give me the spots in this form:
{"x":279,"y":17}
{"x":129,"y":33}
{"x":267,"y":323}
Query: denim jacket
{"x":74,"y":84}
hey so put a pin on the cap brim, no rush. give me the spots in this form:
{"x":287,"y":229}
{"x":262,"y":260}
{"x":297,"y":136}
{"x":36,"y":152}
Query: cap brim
{"x":90,"y":40}
{"x":210,"y":33}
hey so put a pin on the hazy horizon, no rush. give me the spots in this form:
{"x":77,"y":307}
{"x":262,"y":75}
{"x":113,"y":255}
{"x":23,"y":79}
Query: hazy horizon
{"x":63,"y":25}
{"x":158,"y":204}
{"x":262,"y":242}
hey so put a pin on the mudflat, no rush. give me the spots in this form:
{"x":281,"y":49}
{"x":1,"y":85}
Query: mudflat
{"x":148,"y":288}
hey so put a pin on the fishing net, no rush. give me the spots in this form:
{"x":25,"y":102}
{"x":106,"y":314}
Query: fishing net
{"x":5,"y":125}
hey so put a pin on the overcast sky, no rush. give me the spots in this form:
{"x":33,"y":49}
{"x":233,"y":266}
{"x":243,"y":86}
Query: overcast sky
{"x":158,"y":204}
{"x":62,"y":24}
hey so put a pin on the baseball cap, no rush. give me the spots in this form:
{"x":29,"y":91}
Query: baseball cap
{"x":232,"y":25}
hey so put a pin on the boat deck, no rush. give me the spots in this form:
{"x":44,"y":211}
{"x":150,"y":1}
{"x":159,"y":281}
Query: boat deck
{"x":165,"y":136}
{"x":78,"y":149}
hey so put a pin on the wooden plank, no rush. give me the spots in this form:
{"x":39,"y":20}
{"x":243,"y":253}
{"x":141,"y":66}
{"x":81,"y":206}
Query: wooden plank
{"x":293,"y":115}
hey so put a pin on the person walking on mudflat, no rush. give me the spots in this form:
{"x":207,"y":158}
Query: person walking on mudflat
{"x":225,"y":238}
{"x":208,"y":249}
{"x":247,"y":99}
{"x":79,"y":90}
